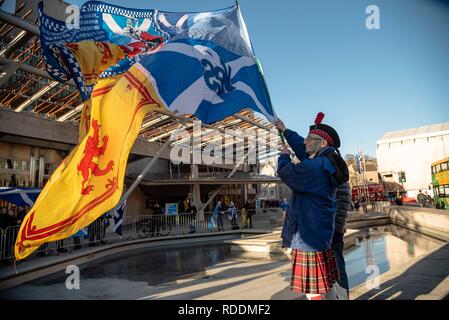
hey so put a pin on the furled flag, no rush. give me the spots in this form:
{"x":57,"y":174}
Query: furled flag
{"x":357,"y":159}
{"x":117,"y":214}
{"x":205,"y":66}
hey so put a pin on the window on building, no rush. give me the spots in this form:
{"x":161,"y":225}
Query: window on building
{"x":446,"y":189}
{"x":441,"y":191}
{"x":14,"y":164}
{"x":444,"y":166}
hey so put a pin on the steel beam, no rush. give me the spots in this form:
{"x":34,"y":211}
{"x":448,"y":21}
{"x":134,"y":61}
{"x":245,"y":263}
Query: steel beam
{"x":33,"y":70}
{"x":19,"y":23}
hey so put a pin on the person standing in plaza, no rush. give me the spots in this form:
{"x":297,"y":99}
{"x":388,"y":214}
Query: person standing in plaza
{"x":232,"y":212}
{"x":364,"y":203}
{"x":192,"y":211}
{"x":338,"y":245}
{"x":309,"y":223}
{"x":428,"y":200}
{"x":215,"y":219}
{"x":421,"y":198}
{"x":249,"y":211}
{"x":284,"y":207}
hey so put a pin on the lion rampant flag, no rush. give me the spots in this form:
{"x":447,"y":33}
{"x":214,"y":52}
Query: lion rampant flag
{"x":89,"y":181}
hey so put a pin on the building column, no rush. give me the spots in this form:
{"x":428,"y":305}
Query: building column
{"x":244,"y":193}
{"x":41,"y":168}
{"x":197,"y":193}
{"x":32,"y":168}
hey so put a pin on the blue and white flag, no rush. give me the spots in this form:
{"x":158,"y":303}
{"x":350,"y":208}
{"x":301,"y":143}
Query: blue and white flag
{"x":209,"y":70}
{"x":22,"y":197}
{"x":117,"y":214}
{"x":211,"y":83}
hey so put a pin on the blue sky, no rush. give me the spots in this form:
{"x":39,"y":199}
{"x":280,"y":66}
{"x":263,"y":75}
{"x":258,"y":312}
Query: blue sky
{"x":317,"y":55}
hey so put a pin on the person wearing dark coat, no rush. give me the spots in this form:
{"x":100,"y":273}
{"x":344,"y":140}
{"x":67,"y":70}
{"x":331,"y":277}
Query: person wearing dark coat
{"x":250,"y":212}
{"x":338,"y":246}
{"x":309,"y":223}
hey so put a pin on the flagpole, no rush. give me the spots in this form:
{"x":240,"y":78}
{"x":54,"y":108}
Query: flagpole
{"x":227,"y":177}
{"x":142,"y":174}
{"x":259,"y":68}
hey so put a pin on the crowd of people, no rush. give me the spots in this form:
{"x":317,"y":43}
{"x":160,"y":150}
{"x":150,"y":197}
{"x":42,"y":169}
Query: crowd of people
{"x":11,"y":216}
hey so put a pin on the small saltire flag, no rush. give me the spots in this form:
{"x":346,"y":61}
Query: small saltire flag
{"x":22,"y":197}
{"x":117,"y":214}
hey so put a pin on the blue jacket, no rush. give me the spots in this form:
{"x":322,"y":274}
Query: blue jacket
{"x":310,"y":219}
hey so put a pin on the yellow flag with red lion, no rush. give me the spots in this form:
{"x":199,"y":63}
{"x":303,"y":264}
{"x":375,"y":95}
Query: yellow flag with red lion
{"x":89,"y":181}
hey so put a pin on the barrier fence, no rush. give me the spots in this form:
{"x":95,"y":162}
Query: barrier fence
{"x":140,"y":227}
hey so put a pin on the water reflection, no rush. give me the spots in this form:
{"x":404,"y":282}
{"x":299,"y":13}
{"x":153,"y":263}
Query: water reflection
{"x":386,"y":248}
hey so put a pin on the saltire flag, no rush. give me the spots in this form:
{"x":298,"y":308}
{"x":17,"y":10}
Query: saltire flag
{"x":22,"y":197}
{"x":213,"y":219}
{"x":117,"y":214}
{"x":205,"y":67}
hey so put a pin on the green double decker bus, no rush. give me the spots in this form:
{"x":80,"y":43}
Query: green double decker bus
{"x":440,"y":183}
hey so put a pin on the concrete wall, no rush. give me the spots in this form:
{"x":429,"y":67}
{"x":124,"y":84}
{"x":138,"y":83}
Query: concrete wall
{"x":136,"y":205}
{"x":433,"y":222}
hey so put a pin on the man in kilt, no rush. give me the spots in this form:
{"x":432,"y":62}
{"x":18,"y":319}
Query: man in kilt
{"x":309,"y":223}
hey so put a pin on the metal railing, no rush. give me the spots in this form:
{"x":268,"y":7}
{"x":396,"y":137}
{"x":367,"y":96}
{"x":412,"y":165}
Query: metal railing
{"x":139,"y":227}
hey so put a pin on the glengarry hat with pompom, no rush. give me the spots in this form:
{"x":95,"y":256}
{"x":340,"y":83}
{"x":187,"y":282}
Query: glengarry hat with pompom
{"x":324,"y":131}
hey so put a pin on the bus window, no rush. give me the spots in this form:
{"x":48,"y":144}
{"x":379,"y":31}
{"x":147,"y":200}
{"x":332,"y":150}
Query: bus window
{"x":433,"y":169}
{"x":444,"y":166}
{"x":441,"y":191}
{"x":446,"y":190}
{"x":437,"y":168}
{"x":435,"y":191}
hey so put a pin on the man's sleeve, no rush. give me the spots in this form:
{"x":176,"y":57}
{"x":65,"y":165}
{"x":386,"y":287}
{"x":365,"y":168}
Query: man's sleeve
{"x":297,"y":176}
{"x":296,"y":142}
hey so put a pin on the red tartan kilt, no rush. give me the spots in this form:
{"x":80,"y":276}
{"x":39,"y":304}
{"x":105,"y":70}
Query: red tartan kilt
{"x":313,"y":272}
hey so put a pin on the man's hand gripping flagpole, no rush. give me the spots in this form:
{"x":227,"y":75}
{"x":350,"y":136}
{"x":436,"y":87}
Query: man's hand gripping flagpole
{"x":281,"y":128}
